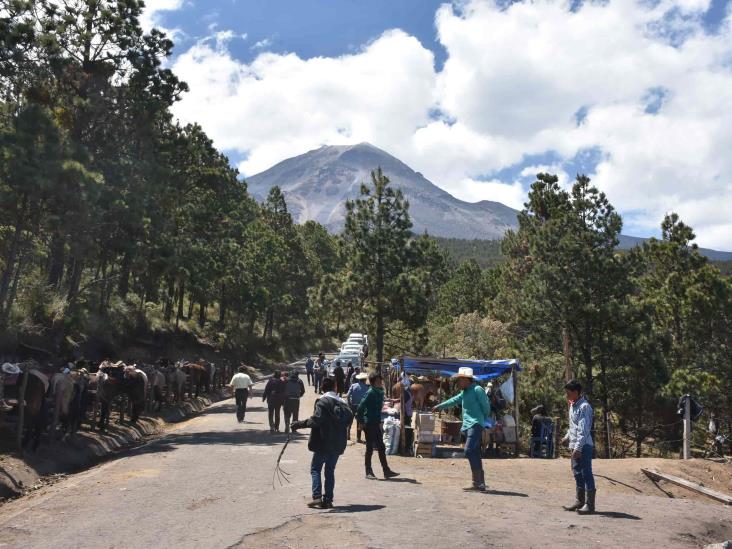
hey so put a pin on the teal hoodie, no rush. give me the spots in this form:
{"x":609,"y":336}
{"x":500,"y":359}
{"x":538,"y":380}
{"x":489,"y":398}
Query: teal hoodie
{"x":475,"y":403}
{"x":369,"y":410}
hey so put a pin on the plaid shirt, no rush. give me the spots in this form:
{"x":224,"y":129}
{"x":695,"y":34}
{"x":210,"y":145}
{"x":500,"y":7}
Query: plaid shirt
{"x":581,"y":416}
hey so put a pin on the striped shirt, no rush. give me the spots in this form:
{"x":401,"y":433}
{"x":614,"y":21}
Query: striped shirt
{"x":581,"y":416}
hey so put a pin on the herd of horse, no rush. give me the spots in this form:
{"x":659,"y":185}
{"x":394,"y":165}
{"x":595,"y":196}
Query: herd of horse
{"x":87,"y":392}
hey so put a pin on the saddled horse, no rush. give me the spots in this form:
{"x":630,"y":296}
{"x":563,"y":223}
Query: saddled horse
{"x":118,"y":380}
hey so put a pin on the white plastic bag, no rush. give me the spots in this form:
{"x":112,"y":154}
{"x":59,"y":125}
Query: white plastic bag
{"x":507,"y":390}
{"x":391,"y":435}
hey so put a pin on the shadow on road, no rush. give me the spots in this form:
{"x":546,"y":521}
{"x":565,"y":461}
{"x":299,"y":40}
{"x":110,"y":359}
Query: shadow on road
{"x":400,"y":479}
{"x":230,"y":409}
{"x":504,"y":493}
{"x":234,"y":438}
{"x":617,"y":515}
{"x":355,"y":508}
{"x":613,"y":481}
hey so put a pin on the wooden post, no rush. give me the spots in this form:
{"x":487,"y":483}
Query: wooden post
{"x":21,"y":407}
{"x":403,"y":422}
{"x":514,"y":377}
{"x":687,"y":427}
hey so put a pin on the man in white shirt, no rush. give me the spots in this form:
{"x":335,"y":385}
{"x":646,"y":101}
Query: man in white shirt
{"x":240,"y":384}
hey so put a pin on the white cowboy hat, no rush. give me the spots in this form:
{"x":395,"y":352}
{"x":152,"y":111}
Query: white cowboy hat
{"x":10,"y":369}
{"x":465,"y":372}
{"x":362,"y":376}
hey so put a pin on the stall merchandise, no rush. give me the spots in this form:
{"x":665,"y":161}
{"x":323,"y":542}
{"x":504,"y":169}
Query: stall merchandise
{"x":430,"y":431}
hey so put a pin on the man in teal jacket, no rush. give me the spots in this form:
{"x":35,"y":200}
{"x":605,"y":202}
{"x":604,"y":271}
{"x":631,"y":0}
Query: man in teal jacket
{"x":369,"y":415}
{"x":476,"y":409}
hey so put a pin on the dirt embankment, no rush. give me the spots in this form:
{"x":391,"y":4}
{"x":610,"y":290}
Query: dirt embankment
{"x":54,"y":459}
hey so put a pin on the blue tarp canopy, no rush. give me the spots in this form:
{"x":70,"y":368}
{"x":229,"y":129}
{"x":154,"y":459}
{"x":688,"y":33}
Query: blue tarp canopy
{"x":447,"y":367}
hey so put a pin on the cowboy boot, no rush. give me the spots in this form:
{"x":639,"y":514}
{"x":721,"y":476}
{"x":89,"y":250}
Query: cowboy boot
{"x":589,"y":507}
{"x":476,"y":481}
{"x":481,"y":482}
{"x":579,"y":501}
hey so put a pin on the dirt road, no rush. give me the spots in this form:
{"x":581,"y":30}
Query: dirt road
{"x":208,"y":483}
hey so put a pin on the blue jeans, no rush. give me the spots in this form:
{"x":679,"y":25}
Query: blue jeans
{"x":582,"y":469}
{"x":317,"y":380}
{"x":473,"y":443}
{"x":319,"y":460}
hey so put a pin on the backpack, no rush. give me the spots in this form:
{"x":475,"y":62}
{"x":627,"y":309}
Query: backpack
{"x":293,"y":388}
{"x":342,"y":415}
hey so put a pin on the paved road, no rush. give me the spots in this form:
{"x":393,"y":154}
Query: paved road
{"x":208,"y":483}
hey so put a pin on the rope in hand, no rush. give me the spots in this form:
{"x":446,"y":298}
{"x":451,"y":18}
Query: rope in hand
{"x":280,"y":475}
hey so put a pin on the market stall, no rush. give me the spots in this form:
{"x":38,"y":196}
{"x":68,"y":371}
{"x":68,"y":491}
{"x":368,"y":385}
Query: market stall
{"x":435,"y":373}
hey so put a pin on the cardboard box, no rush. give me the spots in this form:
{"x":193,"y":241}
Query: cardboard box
{"x":427,"y":437}
{"x":426,"y":422}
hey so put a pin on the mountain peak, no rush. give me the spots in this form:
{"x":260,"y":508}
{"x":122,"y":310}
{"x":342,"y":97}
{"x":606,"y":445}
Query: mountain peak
{"x":318,"y":183}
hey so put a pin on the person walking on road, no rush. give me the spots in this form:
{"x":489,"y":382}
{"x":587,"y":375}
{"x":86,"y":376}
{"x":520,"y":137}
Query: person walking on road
{"x":318,"y":373}
{"x":309,"y":364}
{"x":476,"y":409}
{"x":369,"y":414}
{"x":579,"y":436}
{"x":274,"y":394}
{"x":294,"y":389}
{"x":340,"y":378}
{"x":240,"y":384}
{"x":355,"y":395}
{"x":350,"y":371}
{"x":327,"y":442}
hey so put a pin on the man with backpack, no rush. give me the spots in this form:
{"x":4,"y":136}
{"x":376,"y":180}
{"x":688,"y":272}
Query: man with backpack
{"x":309,"y":364}
{"x":327,"y":442}
{"x":274,"y":394}
{"x":318,"y":373}
{"x":294,"y":389}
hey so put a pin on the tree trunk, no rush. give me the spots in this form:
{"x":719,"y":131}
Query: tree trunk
{"x":13,"y":251}
{"x":379,"y":340}
{"x":75,"y":279}
{"x":202,"y":313}
{"x":181,"y":294}
{"x":222,"y":306}
{"x":13,"y":292}
{"x":169,"y":298}
{"x":123,"y":288}
{"x":191,"y":303}
{"x":56,"y":260}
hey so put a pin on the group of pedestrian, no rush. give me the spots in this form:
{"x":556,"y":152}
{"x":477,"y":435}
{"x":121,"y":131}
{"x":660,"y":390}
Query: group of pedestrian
{"x":317,"y":370}
{"x":283,"y":393}
{"x":333,"y":418}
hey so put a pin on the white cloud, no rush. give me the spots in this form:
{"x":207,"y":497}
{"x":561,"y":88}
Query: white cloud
{"x":471,"y":190}
{"x":511,"y":86}
{"x":150,"y":16}
{"x":262,"y":44}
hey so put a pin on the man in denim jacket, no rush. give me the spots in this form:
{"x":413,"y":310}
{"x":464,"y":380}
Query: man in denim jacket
{"x":579,"y":436}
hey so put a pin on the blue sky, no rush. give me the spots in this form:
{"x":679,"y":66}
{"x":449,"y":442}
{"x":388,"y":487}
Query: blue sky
{"x":476,"y":96}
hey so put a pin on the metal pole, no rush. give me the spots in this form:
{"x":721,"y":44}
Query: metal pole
{"x":687,"y":427}
{"x":515,"y":408}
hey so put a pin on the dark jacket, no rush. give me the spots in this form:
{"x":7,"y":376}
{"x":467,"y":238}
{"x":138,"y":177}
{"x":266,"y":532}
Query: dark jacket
{"x":294,"y":387}
{"x":369,"y":410}
{"x":329,"y":425}
{"x":274,"y":392}
{"x":340,"y":376}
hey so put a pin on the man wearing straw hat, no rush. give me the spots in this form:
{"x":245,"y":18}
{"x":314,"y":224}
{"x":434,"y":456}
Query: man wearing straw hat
{"x":476,"y":409}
